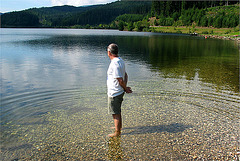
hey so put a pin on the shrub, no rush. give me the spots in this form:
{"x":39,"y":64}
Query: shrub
{"x":236,"y":29}
{"x":130,"y":26}
{"x":121,"y":26}
{"x":205,"y":32}
{"x":179,"y":32}
{"x":228,"y":31}
{"x":178,"y":23}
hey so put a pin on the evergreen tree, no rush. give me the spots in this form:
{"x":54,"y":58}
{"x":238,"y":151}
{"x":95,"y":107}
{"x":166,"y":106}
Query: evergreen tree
{"x":121,"y":26}
{"x":19,"y":19}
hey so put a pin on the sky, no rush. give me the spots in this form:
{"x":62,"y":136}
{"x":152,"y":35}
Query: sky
{"x":18,"y":5}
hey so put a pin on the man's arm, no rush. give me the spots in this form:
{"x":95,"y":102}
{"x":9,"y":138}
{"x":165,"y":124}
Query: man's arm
{"x":126,"y":79}
{"x":123,"y":84}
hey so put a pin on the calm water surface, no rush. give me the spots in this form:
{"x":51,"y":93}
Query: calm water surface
{"x":185,"y":103}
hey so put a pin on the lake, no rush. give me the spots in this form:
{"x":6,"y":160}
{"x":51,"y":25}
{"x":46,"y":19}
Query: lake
{"x":185,"y":102}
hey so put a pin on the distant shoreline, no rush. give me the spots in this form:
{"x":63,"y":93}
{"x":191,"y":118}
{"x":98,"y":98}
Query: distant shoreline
{"x":206,"y":32}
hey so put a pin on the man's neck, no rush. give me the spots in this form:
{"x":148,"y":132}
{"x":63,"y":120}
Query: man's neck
{"x":114,"y":57}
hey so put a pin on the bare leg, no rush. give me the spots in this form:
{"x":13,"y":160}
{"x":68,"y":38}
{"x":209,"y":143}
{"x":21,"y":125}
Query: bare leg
{"x":117,"y":118}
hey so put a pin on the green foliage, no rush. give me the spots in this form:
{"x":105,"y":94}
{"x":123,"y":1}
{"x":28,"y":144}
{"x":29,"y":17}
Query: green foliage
{"x":77,"y":27}
{"x":236,"y":29}
{"x":225,"y":16}
{"x":66,"y":16}
{"x":130,"y":17}
{"x":121,"y":25}
{"x":105,"y":14}
{"x":205,"y":32}
{"x":175,"y":16}
{"x":126,"y":15}
{"x":179,"y":32}
{"x":169,"y":21}
{"x":130,"y":26}
{"x":178,"y":23}
{"x":155,"y":23}
{"x":186,"y":12}
{"x":88,"y":26}
{"x":141,"y":25}
{"x":138,"y":26}
{"x":218,"y":22}
{"x":228,"y":31}
{"x":22,"y":19}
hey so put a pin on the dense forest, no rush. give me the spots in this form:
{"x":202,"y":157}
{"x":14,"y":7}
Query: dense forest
{"x":203,"y":13}
{"x":129,"y":15}
{"x":66,"y":16}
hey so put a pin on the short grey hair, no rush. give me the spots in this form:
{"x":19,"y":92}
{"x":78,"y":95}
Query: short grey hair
{"x":113,"y":48}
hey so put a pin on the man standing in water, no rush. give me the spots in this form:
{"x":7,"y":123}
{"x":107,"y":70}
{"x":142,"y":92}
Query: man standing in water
{"x":117,"y":85}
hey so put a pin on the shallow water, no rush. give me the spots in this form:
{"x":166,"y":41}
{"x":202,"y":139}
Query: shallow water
{"x":185,"y":103}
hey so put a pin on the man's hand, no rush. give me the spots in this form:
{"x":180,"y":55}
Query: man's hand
{"x":123,"y":85}
{"x":128,"y":90}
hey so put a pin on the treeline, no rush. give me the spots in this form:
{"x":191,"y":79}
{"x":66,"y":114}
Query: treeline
{"x":223,"y":18}
{"x":205,"y":14}
{"x":19,"y":19}
{"x":129,"y":15}
{"x":168,"y":8}
{"x":176,"y":13}
{"x":107,"y":13}
{"x":47,"y":16}
{"x":59,"y":16}
{"x":70,"y":16}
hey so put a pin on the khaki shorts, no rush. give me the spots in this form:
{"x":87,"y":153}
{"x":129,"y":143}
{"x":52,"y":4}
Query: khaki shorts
{"x":114,"y":104}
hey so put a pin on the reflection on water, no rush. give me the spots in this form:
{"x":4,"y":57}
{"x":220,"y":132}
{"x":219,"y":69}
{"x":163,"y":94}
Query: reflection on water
{"x":185,"y":103}
{"x":214,"y":61}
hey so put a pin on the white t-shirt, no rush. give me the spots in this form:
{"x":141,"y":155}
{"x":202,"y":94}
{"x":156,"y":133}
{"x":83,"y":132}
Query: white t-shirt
{"x":116,"y":70}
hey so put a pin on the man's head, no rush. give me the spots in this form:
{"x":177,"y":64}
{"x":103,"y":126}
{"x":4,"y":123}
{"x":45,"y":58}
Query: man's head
{"x":113,"y":49}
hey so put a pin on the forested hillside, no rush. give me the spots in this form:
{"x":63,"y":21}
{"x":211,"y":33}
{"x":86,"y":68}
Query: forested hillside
{"x":205,"y":14}
{"x":66,"y":16}
{"x":19,"y":19}
{"x":129,"y":15}
{"x":58,"y":15}
{"x":47,"y":16}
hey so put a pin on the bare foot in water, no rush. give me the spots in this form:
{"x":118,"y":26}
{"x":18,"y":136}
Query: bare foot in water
{"x":115,"y":134}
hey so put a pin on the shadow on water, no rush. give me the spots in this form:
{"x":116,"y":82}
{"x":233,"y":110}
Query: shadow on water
{"x":172,"y":128}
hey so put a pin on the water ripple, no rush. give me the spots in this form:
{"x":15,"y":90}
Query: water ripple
{"x":40,"y":102}
{"x":222,"y":103}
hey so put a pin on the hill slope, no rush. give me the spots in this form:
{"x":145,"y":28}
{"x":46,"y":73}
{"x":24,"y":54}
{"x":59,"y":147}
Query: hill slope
{"x":60,"y":16}
{"x":129,"y":14}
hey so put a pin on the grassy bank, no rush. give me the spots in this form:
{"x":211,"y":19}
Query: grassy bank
{"x":232,"y":33}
